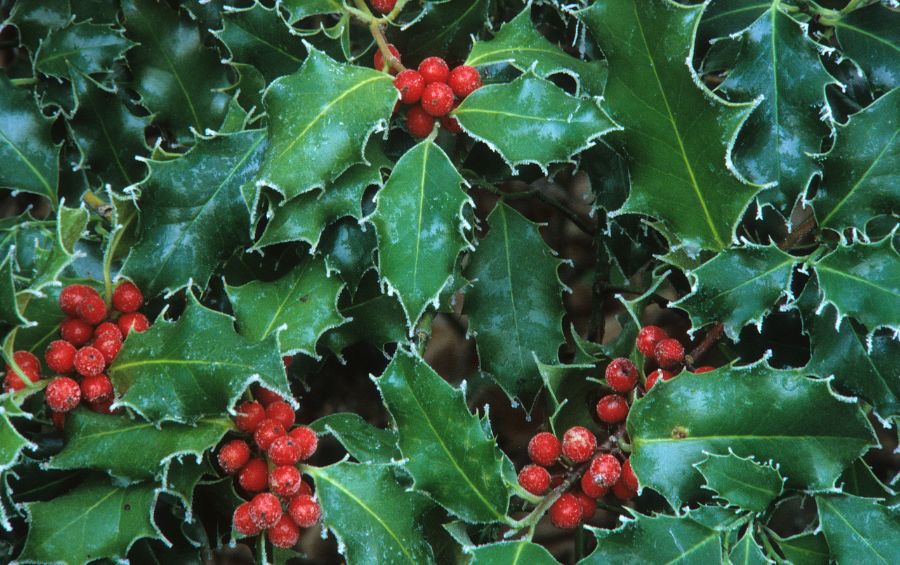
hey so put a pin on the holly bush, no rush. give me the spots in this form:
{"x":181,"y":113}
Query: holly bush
{"x":449,"y":281}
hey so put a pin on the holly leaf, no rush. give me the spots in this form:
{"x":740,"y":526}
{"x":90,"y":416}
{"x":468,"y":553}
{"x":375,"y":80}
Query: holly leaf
{"x":12,"y":443}
{"x":363,"y":441}
{"x":179,"y":79}
{"x":105,"y":443}
{"x":36,"y":18}
{"x":258,"y":36}
{"x":871,"y":37}
{"x":511,"y":553}
{"x":349,"y":250}
{"x":859,"y":530}
{"x":9,"y":309}
{"x":319,"y":121}
{"x":182,"y":476}
{"x":164,"y":375}
{"x":858,"y":479}
{"x":298,"y":308}
{"x":741,"y":481}
{"x":515,"y":313}
{"x":444,"y":26}
{"x":780,"y":64}
{"x":531,"y":120}
{"x":748,"y":552}
{"x":569,"y":395}
{"x":373,"y":517}
{"x":521,"y":45}
{"x":690,"y":417}
{"x":448,"y":453}
{"x":299,"y":9}
{"x":738,"y":286}
{"x":420,"y":221}
{"x":192,"y":213}
{"x":94,"y":520}
{"x":30,"y":158}
{"x":91,"y":48}
{"x":861,"y":170}
{"x":52,"y":257}
{"x":804,"y":549}
{"x":375,"y":318}
{"x":862,"y":280}
{"x":677,"y":135}
{"x":726,"y":17}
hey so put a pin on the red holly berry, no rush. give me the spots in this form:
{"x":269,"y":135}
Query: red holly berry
{"x":669,"y":353}
{"x":75,"y":331}
{"x":590,"y":488}
{"x":655,"y":376}
{"x":622,"y":491}
{"x":534,"y":479}
{"x":703,"y":369}
{"x":437,"y":99}
{"x":281,"y":411}
{"x":233,"y":456}
{"x":379,"y":58}
{"x":107,"y":329}
{"x":628,"y":476}
{"x":104,"y":407}
{"x":451,"y":124}
{"x":284,"y":533}
{"x":133,"y":321}
{"x":127,"y":297}
{"x":307,"y":440}
{"x":242,"y":521}
{"x":544,"y":449}
{"x":464,"y":80}
{"x":621,"y":374}
{"x":266,"y":432}
{"x":265,"y":510}
{"x":109,"y":346}
{"x":612,"y":409}
{"x":12,"y":381}
{"x":26,"y":361}
{"x":304,"y":510}
{"x":605,"y":470}
{"x":410,"y":84}
{"x":265,"y":396}
{"x":383,"y":6}
{"x":58,"y":419}
{"x":285,"y":480}
{"x":565,"y":513}
{"x":71,"y":297}
{"x":89,"y":361}
{"x":63,"y":394}
{"x":434,"y":69}
{"x":647,"y":339}
{"x":91,"y":309}
{"x":578,"y":444}
{"x":249,"y":415}
{"x":254,"y":476}
{"x":305,"y":488}
{"x":284,"y":450}
{"x":419,"y":123}
{"x":60,"y":356}
{"x":588,"y":506}
{"x":96,"y":389}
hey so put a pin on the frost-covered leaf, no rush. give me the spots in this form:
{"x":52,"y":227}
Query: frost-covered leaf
{"x":859,"y":530}
{"x":165,"y":374}
{"x":299,"y":9}
{"x":9,"y":309}
{"x":676,"y":135}
{"x":871,"y":37}
{"x":30,"y":158}
{"x":86,"y":46}
{"x":747,"y":552}
{"x":421,"y":226}
{"x":741,"y":481}
{"x":445,"y":27}
{"x":37,"y":18}
{"x":726,"y":17}
{"x":511,"y":553}
{"x":569,"y":394}
{"x":448,"y":453}
{"x":363,"y":441}
{"x":183,"y":475}
{"x":531,"y":120}
{"x":804,"y":549}
{"x":683,"y":420}
{"x":738,"y":286}
{"x":192,"y":212}
{"x":349,"y":250}
{"x":515,"y":313}
{"x":375,"y":519}
{"x":53,"y":256}
{"x":375,"y":318}
{"x":858,"y":479}
{"x":11,"y":441}
{"x":258,"y":36}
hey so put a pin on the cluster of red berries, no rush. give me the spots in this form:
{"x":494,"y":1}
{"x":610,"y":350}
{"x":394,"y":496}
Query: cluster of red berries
{"x":432,"y":92}
{"x":654,"y":343}
{"x":604,"y":473}
{"x":282,"y":501}
{"x":383,"y":6}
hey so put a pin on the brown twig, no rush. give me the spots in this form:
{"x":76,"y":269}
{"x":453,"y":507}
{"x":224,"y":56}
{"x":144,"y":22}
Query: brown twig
{"x":392,"y":62}
{"x":710,"y":339}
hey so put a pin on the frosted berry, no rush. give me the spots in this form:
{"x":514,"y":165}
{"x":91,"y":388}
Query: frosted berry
{"x":305,"y":488}
{"x":591,"y":488}
{"x":281,"y":411}
{"x":703,"y":369}
{"x":437,"y":99}
{"x":621,"y":374}
{"x":285,"y":480}
{"x":89,"y":361}
{"x":109,"y":346}
{"x":612,"y":409}
{"x":464,"y":80}
{"x":265,"y":396}
{"x":250,"y":414}
{"x":656,"y":375}
{"x":284,"y":450}
{"x":544,"y":449}
{"x":266,"y":432}
{"x":622,"y":491}
{"x":419,"y":123}
{"x":534,"y":479}
{"x":434,"y":69}
{"x":71,"y":297}
{"x":92,"y":309}
{"x":254,"y":476}
{"x":588,"y":506}
{"x":304,"y":510}
{"x":27,"y":362}
{"x":565,"y":513}
{"x":242,"y":521}
{"x":410,"y":84}
{"x":605,"y":470}
{"x":134,"y":321}
{"x":284,"y":533}
{"x":60,"y":356}
{"x":578,"y":444}
{"x":75,"y":331}
{"x":647,"y":339}
{"x":127,"y":297}
{"x":669,"y":353}
{"x":265,"y":510}
{"x":63,"y":394}
{"x":233,"y":456}
{"x":96,"y":389}
{"x":628,"y":476}
{"x":107,"y":329}
{"x":306,"y":439}
{"x":383,"y":6}
{"x":379,"y":58}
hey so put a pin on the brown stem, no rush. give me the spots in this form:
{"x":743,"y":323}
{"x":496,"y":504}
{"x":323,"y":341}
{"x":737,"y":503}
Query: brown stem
{"x":392,"y":62}
{"x":712,"y":336}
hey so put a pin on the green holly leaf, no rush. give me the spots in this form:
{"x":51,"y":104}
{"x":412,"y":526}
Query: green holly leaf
{"x":521,"y":45}
{"x":12,"y":443}
{"x":450,"y":455}
{"x":780,"y":64}
{"x":859,"y":530}
{"x":299,"y":9}
{"x":321,"y":117}
{"x":445,"y":27}
{"x":30,"y":158}
{"x":298,"y":308}
{"x":373,"y":517}
{"x":741,"y":481}
{"x":37,"y":18}
{"x":858,"y":479}
{"x":804,"y":549}
{"x":179,"y":79}
{"x":258,"y":36}
{"x":677,"y":135}
{"x":421,"y":222}
{"x":726,"y":17}
{"x":52,"y":257}
{"x":95,"y":520}
{"x":860,"y":174}
{"x":871,"y":37}
{"x":569,"y":395}
{"x":511,"y":553}
{"x":683,"y":421}
{"x":89,"y":47}
{"x":164,"y":375}
{"x":182,"y":476}
{"x":192,"y":213}
{"x":375,"y":318}
{"x":9,"y":308}
{"x":514,"y":313}
{"x":862,"y":280}
{"x":363,"y":441}
{"x":103,"y":442}
{"x":531,"y":120}
{"x":747,"y":552}
{"x":738,"y":286}
{"x":349,"y":250}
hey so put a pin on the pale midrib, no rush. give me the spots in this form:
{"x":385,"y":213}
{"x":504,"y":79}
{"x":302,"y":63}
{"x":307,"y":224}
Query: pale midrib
{"x":268,"y":44}
{"x":184,"y":91}
{"x":62,"y":529}
{"x":736,"y":11}
{"x":754,"y":279}
{"x":280,"y":308}
{"x":870,"y":35}
{"x":855,"y":531}
{"x":27,"y":162}
{"x":734,"y":479}
{"x":773,"y":14}
{"x":518,"y":553}
{"x":511,"y":51}
{"x":511,"y":115}
{"x":415,"y":286}
{"x":177,"y":362}
{"x":821,"y":267}
{"x":512,"y":296}
{"x":745,"y":437}
{"x":693,"y":548}
{"x":112,"y":146}
{"x":95,"y":47}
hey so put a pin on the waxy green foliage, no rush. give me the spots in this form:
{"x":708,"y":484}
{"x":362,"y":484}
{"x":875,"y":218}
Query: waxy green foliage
{"x":741,"y":482}
{"x":28,"y":152}
{"x":870,"y":36}
{"x":89,"y":48}
{"x":858,"y":529}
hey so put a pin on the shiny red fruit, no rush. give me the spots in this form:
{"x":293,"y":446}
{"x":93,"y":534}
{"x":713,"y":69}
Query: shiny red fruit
{"x":265,"y":510}
{"x":92,"y":309}
{"x":127,"y":297}
{"x":233,"y":456}
{"x":410,"y":84}
{"x":304,"y":510}
{"x":60,"y":356}
{"x":419,"y":123}
{"x":285,"y":480}
{"x":284,"y":450}
{"x":284,"y":533}
{"x":282,"y":412}
{"x":75,"y":331}
{"x":134,"y":321}
{"x":63,"y":394}
{"x":89,"y":361}
{"x":383,"y":6}
{"x":71,"y":297}
{"x":242,"y":521}
{"x":437,"y":99}
{"x":434,"y":69}
{"x":612,"y":409}
{"x":464,"y":80}
{"x":588,"y":505}
{"x":535,"y":479}
{"x":669,"y":353}
{"x":96,"y":389}
{"x":307,"y":441}
{"x":544,"y":449}
{"x":254,"y":476}
{"x":657,"y":375}
{"x":109,"y":346}
{"x":266,"y":432}
{"x":566,"y":512}
{"x":379,"y":58}
{"x":621,"y":374}
{"x":578,"y":444}
{"x":647,"y":339}
{"x":605,"y":470}
{"x":249,"y":415}
{"x":703,"y":369}
{"x":591,"y":488}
